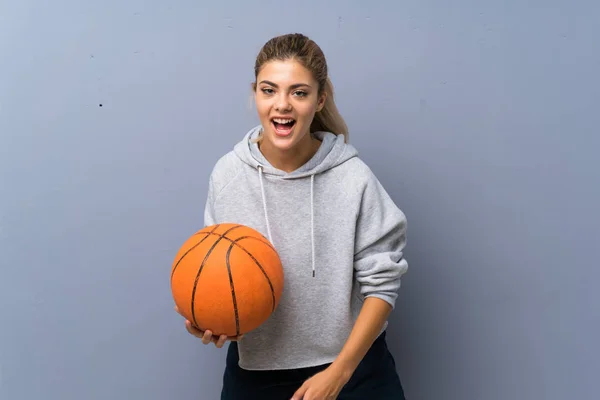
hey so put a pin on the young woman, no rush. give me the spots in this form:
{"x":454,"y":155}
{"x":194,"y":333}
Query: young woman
{"x":339,"y":235}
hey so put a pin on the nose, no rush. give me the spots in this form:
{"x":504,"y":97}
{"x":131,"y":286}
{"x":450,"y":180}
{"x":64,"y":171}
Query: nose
{"x":283,"y":104}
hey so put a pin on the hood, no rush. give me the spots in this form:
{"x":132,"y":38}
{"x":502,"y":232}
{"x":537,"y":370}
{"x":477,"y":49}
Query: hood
{"x":332,"y":152}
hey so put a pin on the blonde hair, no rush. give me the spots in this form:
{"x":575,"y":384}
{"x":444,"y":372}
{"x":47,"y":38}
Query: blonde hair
{"x":298,"y":47}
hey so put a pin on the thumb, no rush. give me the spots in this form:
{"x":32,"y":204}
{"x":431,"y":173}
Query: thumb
{"x":299,"y":395}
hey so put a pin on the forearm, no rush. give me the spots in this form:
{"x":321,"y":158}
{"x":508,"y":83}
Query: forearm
{"x":370,"y":320}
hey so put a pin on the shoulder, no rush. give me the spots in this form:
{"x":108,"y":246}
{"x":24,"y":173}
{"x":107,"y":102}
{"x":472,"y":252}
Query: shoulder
{"x":360,"y":168}
{"x":356,"y":172}
{"x":359,"y":176}
{"x":225,"y":170}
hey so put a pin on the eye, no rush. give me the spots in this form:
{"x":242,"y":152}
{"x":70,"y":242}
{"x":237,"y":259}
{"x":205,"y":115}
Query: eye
{"x":267,"y":90}
{"x":301,"y":93}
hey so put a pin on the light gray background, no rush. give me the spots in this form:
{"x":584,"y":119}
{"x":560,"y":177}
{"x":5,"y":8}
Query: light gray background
{"x":481,"y":118}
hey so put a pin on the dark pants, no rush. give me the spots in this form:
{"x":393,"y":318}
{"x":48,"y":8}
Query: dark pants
{"x":375,"y":378}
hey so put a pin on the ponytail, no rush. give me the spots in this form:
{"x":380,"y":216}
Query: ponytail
{"x":329,"y":118}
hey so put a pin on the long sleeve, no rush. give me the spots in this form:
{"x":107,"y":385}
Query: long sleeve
{"x":380,"y":240}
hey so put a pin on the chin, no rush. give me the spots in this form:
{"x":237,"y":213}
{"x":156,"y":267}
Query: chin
{"x":281,"y":142}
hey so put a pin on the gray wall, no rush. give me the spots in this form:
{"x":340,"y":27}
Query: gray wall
{"x":481,"y":119}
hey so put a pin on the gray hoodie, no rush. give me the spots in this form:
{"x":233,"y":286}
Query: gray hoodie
{"x":339,"y":235}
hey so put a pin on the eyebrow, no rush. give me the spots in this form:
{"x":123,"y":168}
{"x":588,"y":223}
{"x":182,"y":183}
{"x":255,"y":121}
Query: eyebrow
{"x":294,"y":86}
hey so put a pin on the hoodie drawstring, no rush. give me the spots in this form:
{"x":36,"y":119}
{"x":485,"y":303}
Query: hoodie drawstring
{"x":312,"y":221}
{"x":312,"y":214}
{"x":262,"y":190}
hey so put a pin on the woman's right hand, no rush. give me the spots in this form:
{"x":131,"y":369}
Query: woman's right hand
{"x":207,"y":336}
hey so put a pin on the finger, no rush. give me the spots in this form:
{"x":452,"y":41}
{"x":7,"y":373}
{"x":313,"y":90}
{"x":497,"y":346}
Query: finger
{"x":221,"y":342}
{"x":191,"y":329}
{"x":178,"y":311}
{"x":207,"y":338}
{"x":236,"y":338}
{"x":299,"y":395}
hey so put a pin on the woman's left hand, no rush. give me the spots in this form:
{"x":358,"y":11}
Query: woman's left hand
{"x":326,"y":385}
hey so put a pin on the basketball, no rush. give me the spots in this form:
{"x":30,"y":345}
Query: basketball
{"x":227,"y":278}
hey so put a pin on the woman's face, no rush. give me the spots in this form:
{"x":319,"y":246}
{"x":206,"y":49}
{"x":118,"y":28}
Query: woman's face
{"x":287,"y":99}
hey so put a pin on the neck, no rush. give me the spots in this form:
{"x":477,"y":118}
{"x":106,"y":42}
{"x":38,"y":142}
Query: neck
{"x":292,"y":159}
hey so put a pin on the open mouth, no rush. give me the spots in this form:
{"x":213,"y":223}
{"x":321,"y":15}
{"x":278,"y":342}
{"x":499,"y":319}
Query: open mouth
{"x":283,"y":126}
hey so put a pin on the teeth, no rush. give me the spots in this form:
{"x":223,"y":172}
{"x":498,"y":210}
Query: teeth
{"x":282,"y":121}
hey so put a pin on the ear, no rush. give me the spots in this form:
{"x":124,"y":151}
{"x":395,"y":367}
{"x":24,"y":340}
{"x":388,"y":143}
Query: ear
{"x":321,"y":102}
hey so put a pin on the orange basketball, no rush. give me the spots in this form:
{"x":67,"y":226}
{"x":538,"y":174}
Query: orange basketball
{"x":227,"y":278}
